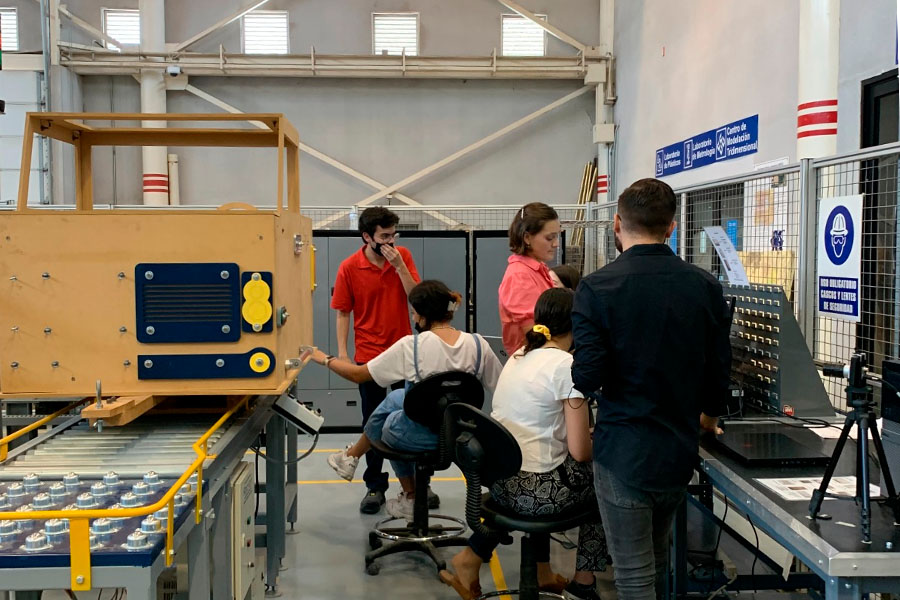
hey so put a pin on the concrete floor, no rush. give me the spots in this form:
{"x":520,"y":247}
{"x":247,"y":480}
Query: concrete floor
{"x":325,"y":557}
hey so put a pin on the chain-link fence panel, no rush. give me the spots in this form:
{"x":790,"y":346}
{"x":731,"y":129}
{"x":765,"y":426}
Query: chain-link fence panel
{"x":583,"y":231}
{"x":877,"y":333}
{"x":760,"y":214}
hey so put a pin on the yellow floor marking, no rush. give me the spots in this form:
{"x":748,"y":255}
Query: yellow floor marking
{"x":317,"y":450}
{"x":497,"y":574}
{"x":392,"y":479}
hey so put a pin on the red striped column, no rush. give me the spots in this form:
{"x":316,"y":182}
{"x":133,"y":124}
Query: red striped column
{"x":602,"y":186}
{"x":156,"y":189}
{"x":817,"y":118}
{"x":817,"y":80}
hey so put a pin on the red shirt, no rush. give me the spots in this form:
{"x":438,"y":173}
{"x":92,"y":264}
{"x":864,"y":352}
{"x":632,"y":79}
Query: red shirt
{"x":377,"y":300}
{"x":525,"y":279}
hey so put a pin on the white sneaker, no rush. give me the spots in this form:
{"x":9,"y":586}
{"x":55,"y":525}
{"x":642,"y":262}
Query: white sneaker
{"x":343,"y":464}
{"x":401,"y":507}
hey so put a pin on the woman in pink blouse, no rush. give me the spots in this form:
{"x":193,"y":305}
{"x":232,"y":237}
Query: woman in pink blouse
{"x":533,"y":240}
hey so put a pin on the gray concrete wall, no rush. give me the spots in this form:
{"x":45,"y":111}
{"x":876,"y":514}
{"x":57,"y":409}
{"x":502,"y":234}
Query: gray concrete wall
{"x":687,"y":66}
{"x":387,"y":129}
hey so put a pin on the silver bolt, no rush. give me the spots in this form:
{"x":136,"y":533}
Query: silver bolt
{"x":257,"y":327}
{"x":45,"y":275}
{"x":855,"y":567}
{"x":148,"y":275}
{"x":260,"y":362}
{"x":15,"y":365}
{"x":121,"y":275}
{"x":79,"y":579}
{"x":148,"y":364}
{"x":123,"y":329}
{"x":150,"y":330}
{"x":224,"y":274}
{"x":47,"y":330}
{"x":13,"y":278}
{"x":255,"y":277}
{"x":54,"y":364}
{"x":847,"y":586}
{"x":14,"y":328}
{"x":126,"y":362}
{"x":220,"y":363}
{"x":748,"y":503}
{"x":226,"y":328}
{"x":888,"y":546}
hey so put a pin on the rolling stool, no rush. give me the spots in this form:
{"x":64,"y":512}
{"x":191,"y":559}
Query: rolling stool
{"x":425,"y":403}
{"x":487,"y":452}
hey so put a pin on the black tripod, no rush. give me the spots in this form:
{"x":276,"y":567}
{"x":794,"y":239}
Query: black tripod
{"x":862,"y":414}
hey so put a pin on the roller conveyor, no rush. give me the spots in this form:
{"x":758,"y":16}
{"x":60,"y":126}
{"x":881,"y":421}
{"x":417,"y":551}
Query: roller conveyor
{"x":154,"y":444}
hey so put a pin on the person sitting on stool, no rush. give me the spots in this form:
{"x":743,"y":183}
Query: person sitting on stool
{"x":439,"y":348}
{"x":536,"y":401}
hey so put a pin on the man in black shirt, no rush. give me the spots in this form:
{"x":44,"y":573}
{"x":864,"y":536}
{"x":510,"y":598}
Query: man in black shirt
{"x":651,"y":336}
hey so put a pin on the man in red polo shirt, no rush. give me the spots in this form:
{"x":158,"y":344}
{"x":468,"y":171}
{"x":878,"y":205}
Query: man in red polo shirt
{"x":373,"y":284}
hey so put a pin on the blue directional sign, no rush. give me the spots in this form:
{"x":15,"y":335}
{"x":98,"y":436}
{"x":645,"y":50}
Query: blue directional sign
{"x":734,"y":140}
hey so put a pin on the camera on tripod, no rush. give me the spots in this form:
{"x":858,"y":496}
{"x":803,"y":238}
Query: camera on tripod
{"x":861,"y":403}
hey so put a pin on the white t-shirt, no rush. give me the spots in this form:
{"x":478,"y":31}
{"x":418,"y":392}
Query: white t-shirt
{"x":435,"y":356}
{"x":529,"y":401}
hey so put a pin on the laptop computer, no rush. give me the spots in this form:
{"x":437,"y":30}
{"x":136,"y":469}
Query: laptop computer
{"x":774,"y":448}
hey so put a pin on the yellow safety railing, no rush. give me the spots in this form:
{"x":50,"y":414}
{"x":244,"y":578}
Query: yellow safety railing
{"x":79,"y":520}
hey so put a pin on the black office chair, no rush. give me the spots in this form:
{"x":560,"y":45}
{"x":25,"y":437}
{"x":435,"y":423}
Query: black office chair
{"x":487,"y":452}
{"x":425,"y":403}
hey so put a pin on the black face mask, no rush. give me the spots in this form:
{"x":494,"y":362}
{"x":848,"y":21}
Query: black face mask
{"x":378,"y":246}
{"x":419,"y":328}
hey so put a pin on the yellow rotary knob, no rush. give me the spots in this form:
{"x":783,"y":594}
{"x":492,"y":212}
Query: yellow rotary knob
{"x":259,"y":362}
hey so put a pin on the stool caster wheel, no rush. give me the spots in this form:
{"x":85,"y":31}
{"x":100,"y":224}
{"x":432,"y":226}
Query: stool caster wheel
{"x":372,"y":568}
{"x":374,"y":541}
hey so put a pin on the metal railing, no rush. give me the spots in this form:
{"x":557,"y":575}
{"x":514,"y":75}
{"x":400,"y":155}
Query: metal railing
{"x":79,"y":520}
{"x":772,"y":218}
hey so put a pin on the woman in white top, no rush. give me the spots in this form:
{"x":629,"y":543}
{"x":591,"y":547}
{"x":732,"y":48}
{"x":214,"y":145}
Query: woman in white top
{"x":437,"y":347}
{"x":536,"y":401}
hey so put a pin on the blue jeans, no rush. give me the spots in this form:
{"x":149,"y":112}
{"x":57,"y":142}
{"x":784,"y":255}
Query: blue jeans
{"x":389,"y":424}
{"x":638,"y":524}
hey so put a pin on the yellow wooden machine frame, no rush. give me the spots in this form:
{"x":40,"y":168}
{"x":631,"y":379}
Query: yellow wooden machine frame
{"x":67,"y":311}
{"x":83,"y":247}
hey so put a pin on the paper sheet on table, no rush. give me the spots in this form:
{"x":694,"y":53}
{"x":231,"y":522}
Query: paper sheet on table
{"x":800,"y":489}
{"x":833,"y":433}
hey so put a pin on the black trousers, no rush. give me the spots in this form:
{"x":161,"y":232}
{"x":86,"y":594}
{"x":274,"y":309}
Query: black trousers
{"x":371,"y":395}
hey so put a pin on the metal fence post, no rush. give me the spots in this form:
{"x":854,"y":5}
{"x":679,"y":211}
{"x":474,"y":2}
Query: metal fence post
{"x":682,"y":226}
{"x":590,"y":241}
{"x":806,"y":253}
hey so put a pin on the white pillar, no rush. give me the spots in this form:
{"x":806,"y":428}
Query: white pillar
{"x":604,"y":112}
{"x":174,"y":190}
{"x":153,"y":100}
{"x":817,"y":105}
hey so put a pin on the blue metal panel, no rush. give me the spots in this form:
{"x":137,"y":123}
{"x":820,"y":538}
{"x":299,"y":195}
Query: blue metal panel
{"x":267,"y":277}
{"x":187,"y":302}
{"x":201,"y":366}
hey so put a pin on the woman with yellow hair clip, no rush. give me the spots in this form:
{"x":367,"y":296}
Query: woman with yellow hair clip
{"x":536,"y":401}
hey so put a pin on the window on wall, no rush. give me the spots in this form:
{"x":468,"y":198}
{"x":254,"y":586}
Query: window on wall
{"x":123,"y":25}
{"x":394,"y":33}
{"x":9,"y":29}
{"x":265,"y":32}
{"x":521,"y":36}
